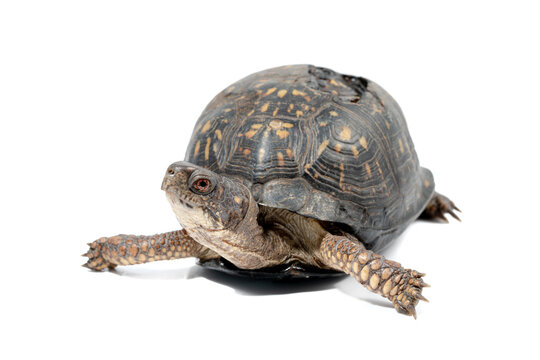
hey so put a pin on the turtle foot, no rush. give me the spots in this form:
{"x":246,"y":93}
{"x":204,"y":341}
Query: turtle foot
{"x":438,"y":207}
{"x":96,"y":261}
{"x":409,"y":293}
{"x":403,"y":287}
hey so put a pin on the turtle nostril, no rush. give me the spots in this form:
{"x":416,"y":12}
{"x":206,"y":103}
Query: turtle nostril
{"x":171,"y":172}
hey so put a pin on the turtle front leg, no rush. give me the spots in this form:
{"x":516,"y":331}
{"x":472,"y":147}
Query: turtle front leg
{"x":385,"y":277}
{"x":108,"y":252}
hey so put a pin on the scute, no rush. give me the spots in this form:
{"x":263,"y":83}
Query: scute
{"x":325,"y":145}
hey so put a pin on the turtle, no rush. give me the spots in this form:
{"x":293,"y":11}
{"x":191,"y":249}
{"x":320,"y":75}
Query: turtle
{"x":294,"y":171}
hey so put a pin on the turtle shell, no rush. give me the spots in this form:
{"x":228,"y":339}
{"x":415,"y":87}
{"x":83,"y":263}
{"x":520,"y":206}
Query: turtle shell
{"x":324,"y":145}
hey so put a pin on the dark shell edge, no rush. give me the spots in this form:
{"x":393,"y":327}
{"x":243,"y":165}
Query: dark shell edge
{"x":289,"y":271}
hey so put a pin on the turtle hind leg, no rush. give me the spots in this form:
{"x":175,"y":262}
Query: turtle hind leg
{"x":438,"y":206}
{"x":403,"y":287}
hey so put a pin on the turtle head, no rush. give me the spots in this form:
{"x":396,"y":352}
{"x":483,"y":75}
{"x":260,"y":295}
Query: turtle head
{"x":204,"y":199}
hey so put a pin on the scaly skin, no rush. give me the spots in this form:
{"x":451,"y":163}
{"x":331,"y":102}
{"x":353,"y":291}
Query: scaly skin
{"x":108,"y":252}
{"x":385,"y":277}
{"x":222,"y":218}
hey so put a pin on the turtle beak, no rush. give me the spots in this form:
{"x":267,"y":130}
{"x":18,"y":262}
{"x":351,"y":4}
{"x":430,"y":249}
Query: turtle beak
{"x":167,"y":181}
{"x":178,"y":171}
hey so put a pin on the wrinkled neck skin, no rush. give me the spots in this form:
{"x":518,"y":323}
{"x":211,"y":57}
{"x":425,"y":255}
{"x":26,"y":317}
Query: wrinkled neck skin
{"x":245,"y":244}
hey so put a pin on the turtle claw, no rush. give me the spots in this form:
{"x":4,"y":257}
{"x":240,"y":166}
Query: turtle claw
{"x":443,"y":218}
{"x":453,"y":214}
{"x":408,"y":310}
{"x":412,"y":311}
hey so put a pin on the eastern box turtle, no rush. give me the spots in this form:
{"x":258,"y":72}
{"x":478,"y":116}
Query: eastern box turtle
{"x":296,"y":171}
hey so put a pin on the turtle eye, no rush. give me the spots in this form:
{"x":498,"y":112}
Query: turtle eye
{"x":202,"y":185}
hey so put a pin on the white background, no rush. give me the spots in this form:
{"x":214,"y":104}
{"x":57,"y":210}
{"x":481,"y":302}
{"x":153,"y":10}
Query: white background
{"x":97,"y":98}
